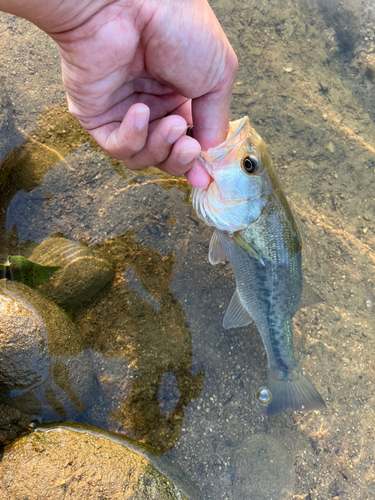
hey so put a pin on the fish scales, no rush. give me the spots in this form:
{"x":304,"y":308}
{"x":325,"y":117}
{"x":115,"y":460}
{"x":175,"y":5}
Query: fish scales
{"x":256,"y":231}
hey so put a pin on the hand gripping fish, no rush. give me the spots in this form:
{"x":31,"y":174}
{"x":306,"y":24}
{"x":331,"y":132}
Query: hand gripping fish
{"x":256,"y":231}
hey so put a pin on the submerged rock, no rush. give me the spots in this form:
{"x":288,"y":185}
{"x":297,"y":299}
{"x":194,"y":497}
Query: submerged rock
{"x":83,"y":272}
{"x":63,"y":335}
{"x":140,"y":319}
{"x":45,"y":369}
{"x":12,"y":423}
{"x":62,"y":463}
{"x":9,"y":136}
{"x":24,"y":357}
{"x":40,"y":373}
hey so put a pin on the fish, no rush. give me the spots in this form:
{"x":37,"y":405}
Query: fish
{"x":256,"y":231}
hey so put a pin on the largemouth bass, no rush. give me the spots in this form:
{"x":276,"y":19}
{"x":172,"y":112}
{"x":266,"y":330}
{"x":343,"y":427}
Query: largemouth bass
{"x":256,"y":231}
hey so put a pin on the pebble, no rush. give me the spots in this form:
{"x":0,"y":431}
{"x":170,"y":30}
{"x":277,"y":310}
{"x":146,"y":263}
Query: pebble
{"x":369,"y":304}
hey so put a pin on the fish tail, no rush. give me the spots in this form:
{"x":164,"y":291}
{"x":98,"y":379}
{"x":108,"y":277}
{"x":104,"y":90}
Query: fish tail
{"x":293,"y":391}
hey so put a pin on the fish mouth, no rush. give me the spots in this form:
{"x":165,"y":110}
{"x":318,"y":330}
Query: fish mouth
{"x":208,"y":158}
{"x":205,"y":165}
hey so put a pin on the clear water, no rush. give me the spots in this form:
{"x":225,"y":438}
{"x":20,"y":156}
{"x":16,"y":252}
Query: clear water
{"x":156,"y":363}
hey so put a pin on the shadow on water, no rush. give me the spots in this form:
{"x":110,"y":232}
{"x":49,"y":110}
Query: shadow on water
{"x":125,"y":329}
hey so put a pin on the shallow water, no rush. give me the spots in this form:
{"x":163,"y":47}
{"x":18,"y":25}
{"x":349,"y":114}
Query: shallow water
{"x":155,"y":362}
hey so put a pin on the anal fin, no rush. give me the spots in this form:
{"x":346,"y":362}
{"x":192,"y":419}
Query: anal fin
{"x":236,"y":314}
{"x":216,"y":252}
{"x":309,"y":297}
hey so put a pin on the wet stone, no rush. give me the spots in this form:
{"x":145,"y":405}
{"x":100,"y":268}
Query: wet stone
{"x":9,"y":137}
{"x":45,"y":368}
{"x":83,"y":272}
{"x":63,"y":335}
{"x":12,"y":423}
{"x":24,"y":358}
{"x":63,"y":463}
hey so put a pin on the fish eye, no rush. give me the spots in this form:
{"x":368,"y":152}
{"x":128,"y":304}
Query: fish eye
{"x":250,"y":164}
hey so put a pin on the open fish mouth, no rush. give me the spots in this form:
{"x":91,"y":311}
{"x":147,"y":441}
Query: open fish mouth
{"x":208,"y":158}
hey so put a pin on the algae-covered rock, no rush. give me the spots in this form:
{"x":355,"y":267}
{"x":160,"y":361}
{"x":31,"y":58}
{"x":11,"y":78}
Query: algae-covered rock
{"x":83,"y":272}
{"x":124,"y":323}
{"x":82,"y":465}
{"x":63,"y":335}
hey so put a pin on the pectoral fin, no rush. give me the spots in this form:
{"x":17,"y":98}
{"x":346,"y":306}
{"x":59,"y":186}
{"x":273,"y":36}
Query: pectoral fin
{"x":216,"y":252}
{"x":236,"y":314}
{"x":246,"y":247}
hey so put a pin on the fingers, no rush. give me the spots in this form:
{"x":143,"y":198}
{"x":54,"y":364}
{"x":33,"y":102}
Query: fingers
{"x":197,"y":176}
{"x":166,"y":146}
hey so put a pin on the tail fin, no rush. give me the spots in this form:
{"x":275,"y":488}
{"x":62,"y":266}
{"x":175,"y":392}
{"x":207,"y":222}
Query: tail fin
{"x":296,"y":393}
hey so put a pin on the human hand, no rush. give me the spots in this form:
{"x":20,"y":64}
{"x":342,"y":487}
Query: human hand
{"x":137,"y":73}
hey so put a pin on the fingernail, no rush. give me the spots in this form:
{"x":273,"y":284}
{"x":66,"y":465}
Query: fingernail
{"x":185,"y":157}
{"x":175,"y":133}
{"x":141,"y":118}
